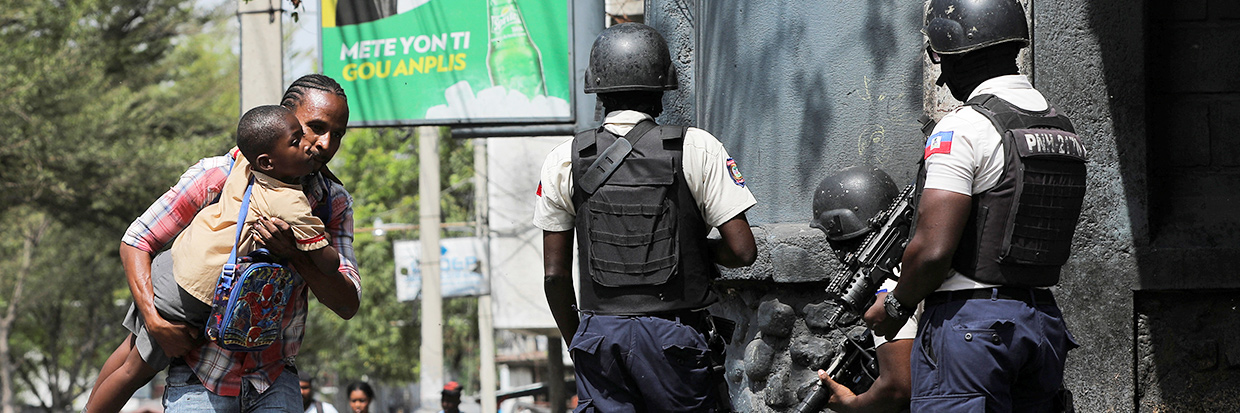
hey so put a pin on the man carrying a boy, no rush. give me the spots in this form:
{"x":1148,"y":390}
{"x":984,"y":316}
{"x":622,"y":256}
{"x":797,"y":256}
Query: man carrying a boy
{"x":205,"y":376}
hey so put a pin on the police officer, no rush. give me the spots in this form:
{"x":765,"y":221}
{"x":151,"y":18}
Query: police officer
{"x":1000,"y":190}
{"x":641,"y":198}
{"x":844,"y":203}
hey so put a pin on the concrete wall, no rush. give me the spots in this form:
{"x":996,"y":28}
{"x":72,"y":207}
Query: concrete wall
{"x":1089,"y":61}
{"x":798,"y":89}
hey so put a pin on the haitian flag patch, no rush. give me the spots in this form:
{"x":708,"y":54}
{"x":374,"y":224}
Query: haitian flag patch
{"x":539,"y":191}
{"x":735,"y":172}
{"x":939,"y":143}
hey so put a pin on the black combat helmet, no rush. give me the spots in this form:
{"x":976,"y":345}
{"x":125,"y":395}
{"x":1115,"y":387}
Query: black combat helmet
{"x":630,"y":57}
{"x":845,"y":201}
{"x":960,"y":26}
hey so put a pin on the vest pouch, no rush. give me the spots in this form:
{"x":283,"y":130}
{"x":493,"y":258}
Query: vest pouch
{"x":632,"y":226}
{"x":1050,"y":188}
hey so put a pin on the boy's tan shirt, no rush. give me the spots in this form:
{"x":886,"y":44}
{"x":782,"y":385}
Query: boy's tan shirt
{"x":199,"y":253}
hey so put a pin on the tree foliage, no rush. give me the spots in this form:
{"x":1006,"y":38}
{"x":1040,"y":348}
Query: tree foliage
{"x":103,"y":103}
{"x":381,"y":343}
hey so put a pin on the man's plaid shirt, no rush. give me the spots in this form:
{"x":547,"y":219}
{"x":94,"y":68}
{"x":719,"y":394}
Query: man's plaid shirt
{"x":221,"y":371}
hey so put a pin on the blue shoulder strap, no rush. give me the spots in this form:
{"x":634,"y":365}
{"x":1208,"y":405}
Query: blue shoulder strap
{"x":230,"y":266}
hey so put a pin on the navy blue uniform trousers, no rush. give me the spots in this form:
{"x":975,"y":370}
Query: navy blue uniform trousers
{"x":641,"y":364}
{"x":989,"y":355}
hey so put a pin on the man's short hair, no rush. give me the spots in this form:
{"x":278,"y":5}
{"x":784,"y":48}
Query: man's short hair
{"x":259,"y":129}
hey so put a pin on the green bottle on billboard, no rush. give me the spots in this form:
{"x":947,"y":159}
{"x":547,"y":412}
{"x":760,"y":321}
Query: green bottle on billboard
{"x":513,"y":60}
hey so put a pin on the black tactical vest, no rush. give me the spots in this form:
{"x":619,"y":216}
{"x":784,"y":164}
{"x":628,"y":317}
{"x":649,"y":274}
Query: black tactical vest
{"x":1020,"y":232}
{"x":641,"y":240}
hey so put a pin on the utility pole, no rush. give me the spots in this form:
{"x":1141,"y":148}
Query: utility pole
{"x":486,"y":321}
{"x":262,"y":52}
{"x":431,"y":352}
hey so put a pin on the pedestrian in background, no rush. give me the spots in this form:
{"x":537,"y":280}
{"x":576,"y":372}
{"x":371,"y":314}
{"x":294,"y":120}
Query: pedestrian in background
{"x":450,"y":398}
{"x":360,"y":396}
{"x":308,"y":403}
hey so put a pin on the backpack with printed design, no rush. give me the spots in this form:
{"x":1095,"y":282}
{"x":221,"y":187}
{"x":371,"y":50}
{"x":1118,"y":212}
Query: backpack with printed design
{"x":250,"y":296}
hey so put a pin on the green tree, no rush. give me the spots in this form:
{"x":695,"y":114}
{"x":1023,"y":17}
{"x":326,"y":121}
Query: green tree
{"x":103,"y":103}
{"x":380,"y":168}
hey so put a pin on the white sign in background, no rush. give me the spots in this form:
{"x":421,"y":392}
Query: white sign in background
{"x":516,"y":244}
{"x":460,"y":266}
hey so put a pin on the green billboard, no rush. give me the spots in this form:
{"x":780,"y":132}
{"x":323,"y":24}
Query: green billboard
{"x":436,"y":62}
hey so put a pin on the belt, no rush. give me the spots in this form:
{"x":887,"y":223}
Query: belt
{"x":1032,"y":296}
{"x":695,"y":319}
{"x":686,"y":317}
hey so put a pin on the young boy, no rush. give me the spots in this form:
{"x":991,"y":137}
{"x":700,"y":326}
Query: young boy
{"x":269,"y":138}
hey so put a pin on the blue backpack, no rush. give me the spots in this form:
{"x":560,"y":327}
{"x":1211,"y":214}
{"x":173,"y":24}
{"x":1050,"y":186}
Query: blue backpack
{"x":250,"y":296}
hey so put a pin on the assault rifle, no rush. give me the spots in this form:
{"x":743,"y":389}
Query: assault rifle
{"x":855,"y":366}
{"x":864,"y":270}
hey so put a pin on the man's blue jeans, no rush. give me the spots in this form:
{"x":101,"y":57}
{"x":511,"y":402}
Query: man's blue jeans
{"x":185,"y":393}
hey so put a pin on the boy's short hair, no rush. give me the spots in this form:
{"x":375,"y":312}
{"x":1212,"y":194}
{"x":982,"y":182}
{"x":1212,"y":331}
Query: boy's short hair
{"x":259,"y":129}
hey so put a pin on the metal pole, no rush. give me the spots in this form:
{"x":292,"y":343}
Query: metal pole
{"x":486,"y":321}
{"x":262,"y":52}
{"x":431,"y":352}
{"x":556,"y":393}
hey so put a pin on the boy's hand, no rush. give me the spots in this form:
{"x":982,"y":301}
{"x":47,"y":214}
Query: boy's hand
{"x":276,"y":236}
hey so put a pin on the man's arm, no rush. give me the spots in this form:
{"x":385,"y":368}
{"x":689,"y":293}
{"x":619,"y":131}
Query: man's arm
{"x":941,"y":217}
{"x":177,"y":339}
{"x":737,"y":248}
{"x":890,"y":391}
{"x":151,"y":231}
{"x":558,"y":281}
{"x":332,"y":288}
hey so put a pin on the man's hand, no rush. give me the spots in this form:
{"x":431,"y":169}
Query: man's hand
{"x":876,"y":318}
{"x":177,"y":339}
{"x":841,"y":397}
{"x":276,"y":236}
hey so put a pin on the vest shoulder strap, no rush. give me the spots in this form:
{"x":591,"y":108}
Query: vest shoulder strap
{"x":672,"y":132}
{"x":611,"y":158}
{"x":584,"y":140}
{"x":1006,"y":116}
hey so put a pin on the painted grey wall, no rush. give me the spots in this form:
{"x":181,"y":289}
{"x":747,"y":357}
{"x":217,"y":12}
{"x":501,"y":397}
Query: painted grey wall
{"x":796,"y":90}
